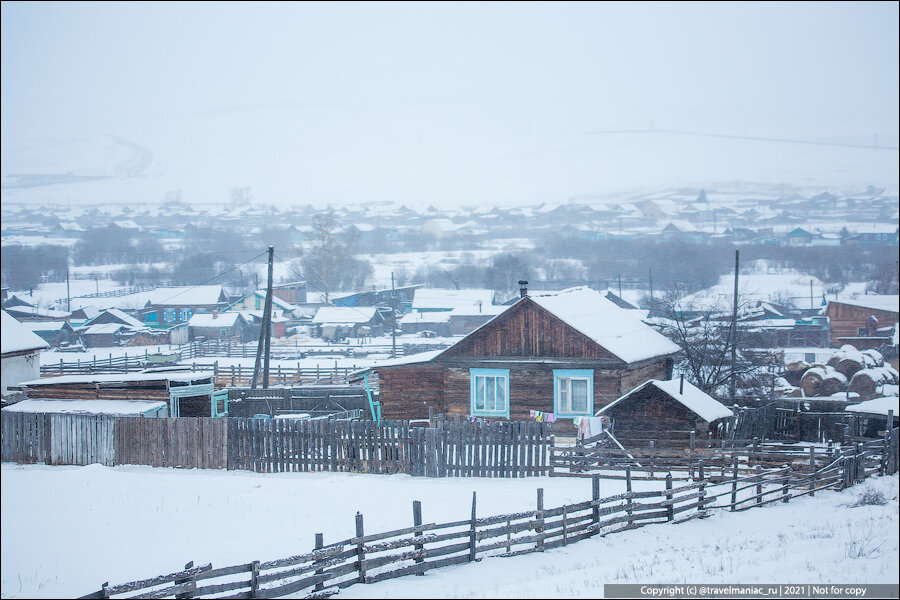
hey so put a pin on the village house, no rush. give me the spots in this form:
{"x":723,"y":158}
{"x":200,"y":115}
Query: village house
{"x":20,"y":351}
{"x":863,"y":322}
{"x":568,"y":354}
{"x":53,"y":332}
{"x":175,"y":305}
{"x":427,"y":299}
{"x":338,"y":322}
{"x":220,"y":326}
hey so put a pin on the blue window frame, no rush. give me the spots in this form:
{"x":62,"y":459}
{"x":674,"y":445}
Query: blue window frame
{"x":151,"y":317}
{"x":489,"y":392}
{"x":169,"y":315}
{"x":185,"y":314}
{"x":573,"y":392}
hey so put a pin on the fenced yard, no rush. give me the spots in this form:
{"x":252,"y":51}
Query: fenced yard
{"x":368,"y":558}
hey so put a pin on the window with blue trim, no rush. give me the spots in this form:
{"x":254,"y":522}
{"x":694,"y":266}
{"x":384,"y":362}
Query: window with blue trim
{"x":150,"y":317}
{"x":573,"y":392}
{"x":489,"y":392}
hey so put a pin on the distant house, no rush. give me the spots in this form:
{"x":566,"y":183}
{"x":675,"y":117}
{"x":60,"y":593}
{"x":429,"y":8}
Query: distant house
{"x":417,"y":322}
{"x":567,"y":354}
{"x":293,"y":292}
{"x":35,"y":313}
{"x":665,"y":412}
{"x":175,"y":305}
{"x":334,"y":322}
{"x":104,"y":335}
{"x":82,"y":315}
{"x":20,"y":351}
{"x":219,"y":326}
{"x":427,"y":299}
{"x":256,"y":300}
{"x":114,"y":315}
{"x":863,"y":322}
{"x":465,"y":319}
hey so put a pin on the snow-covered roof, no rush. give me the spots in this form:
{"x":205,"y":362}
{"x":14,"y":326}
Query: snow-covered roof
{"x":45,"y":325}
{"x":412,"y":359}
{"x":15,"y":337}
{"x":224,"y":319}
{"x":121,"y":377}
{"x":344,"y":314}
{"x":86,"y":407}
{"x":693,"y":398}
{"x":617,"y":330}
{"x":482,"y":309}
{"x":181,"y":296}
{"x":877,"y":406}
{"x":426,"y":317}
{"x":877,"y":302}
{"x":35,"y":311}
{"x":442,"y":299}
{"x":124,"y":317}
{"x":104,"y":328}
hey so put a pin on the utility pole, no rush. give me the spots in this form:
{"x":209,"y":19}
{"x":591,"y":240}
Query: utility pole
{"x":651,"y":292}
{"x":68,"y":293}
{"x":733,"y":335}
{"x":620,"y":286}
{"x":393,"y":318}
{"x":264,"y":346}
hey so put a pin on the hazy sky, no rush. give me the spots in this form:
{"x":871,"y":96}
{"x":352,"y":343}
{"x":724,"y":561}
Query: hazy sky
{"x":446,"y":102}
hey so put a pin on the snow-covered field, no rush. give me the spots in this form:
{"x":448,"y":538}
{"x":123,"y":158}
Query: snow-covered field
{"x":87,"y":525}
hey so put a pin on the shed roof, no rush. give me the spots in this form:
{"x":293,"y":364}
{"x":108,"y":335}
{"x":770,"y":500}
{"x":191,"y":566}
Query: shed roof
{"x":86,"y":407}
{"x":442,"y":299}
{"x":344,"y":314}
{"x":877,"y":406}
{"x":693,"y":398}
{"x":15,"y":337}
{"x":875,"y":301}
{"x":225,"y":319}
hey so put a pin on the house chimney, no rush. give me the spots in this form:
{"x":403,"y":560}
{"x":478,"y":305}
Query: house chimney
{"x":681,"y":386}
{"x":523,"y":288}
{"x":215,"y":314}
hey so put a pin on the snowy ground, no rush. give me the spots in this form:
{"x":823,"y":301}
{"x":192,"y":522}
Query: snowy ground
{"x":68,"y":529}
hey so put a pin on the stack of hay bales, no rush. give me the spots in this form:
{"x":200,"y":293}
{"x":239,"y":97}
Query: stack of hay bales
{"x":862,"y":372}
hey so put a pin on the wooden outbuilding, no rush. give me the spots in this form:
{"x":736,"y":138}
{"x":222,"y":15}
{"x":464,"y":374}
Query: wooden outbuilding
{"x":568,"y":354}
{"x":867,"y":321}
{"x":665,"y":412}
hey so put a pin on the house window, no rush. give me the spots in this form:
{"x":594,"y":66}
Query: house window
{"x":862,"y":331}
{"x":489,"y":392}
{"x":573,"y":392}
{"x":169,"y":315}
{"x":150,"y":317}
{"x":185,"y":314}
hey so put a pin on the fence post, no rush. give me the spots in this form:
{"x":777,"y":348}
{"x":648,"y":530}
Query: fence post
{"x":758,"y":485}
{"x":859,"y":472}
{"x":187,"y":594}
{"x":652,"y":456}
{"x":320,"y":543}
{"x":812,"y":470}
{"x":360,"y":547}
{"x":539,"y":520}
{"x":700,"y":469}
{"x":254,"y":578}
{"x":886,"y":450}
{"x":670,"y":508}
{"x":472,"y":532}
{"x":595,"y":498}
{"x":417,"y":523}
{"x":628,"y":500}
{"x":784,"y":490}
{"x":701,"y":496}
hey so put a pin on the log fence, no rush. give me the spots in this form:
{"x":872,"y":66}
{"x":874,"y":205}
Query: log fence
{"x":372,"y":557}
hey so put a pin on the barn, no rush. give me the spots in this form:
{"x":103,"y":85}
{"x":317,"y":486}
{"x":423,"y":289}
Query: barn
{"x":568,"y":354}
{"x":665,"y":412}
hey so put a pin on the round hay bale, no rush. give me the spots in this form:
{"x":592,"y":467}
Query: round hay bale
{"x":833,"y":383}
{"x":795,"y":393}
{"x":834,"y":360}
{"x":873,"y":356}
{"x":850,"y":365}
{"x":811,"y":382}
{"x":864,"y":383}
{"x":800,"y":365}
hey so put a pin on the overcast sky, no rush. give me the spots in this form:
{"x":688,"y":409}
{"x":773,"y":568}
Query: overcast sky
{"x":439,"y":101}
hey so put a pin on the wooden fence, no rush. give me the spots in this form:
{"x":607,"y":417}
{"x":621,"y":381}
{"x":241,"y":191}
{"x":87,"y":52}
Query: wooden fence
{"x":374,"y":557}
{"x":463,"y":449}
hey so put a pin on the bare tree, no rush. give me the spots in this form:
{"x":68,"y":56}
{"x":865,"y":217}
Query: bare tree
{"x":706,"y":337}
{"x":324,"y":255}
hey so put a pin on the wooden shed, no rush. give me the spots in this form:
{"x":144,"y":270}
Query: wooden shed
{"x":665,"y":412}
{"x":567,"y":354}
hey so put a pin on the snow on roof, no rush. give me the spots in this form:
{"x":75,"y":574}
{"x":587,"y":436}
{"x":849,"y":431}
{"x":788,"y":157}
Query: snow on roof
{"x":121,"y":377}
{"x":344,"y":314}
{"x":120,"y":315}
{"x":34,"y":311}
{"x":877,"y":302}
{"x":225,"y":319}
{"x":412,"y":359}
{"x":482,"y":309}
{"x":15,"y":337}
{"x":181,"y":296}
{"x":86,"y":407}
{"x":426,"y":317}
{"x":104,"y":328}
{"x":276,"y":301}
{"x":442,"y":299}
{"x":877,"y":406}
{"x":617,"y":330}
{"x":45,"y":325}
{"x":693,"y":398}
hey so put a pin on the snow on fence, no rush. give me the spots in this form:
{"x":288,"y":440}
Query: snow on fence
{"x":464,"y":449}
{"x":374,"y":557}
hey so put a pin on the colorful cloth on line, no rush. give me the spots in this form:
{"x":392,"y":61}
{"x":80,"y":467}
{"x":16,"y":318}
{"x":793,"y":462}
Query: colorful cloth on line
{"x":543,"y":417}
{"x":588,"y":426}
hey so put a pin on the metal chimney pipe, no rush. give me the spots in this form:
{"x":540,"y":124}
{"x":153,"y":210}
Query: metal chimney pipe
{"x":523,"y":288}
{"x":681,"y":386}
